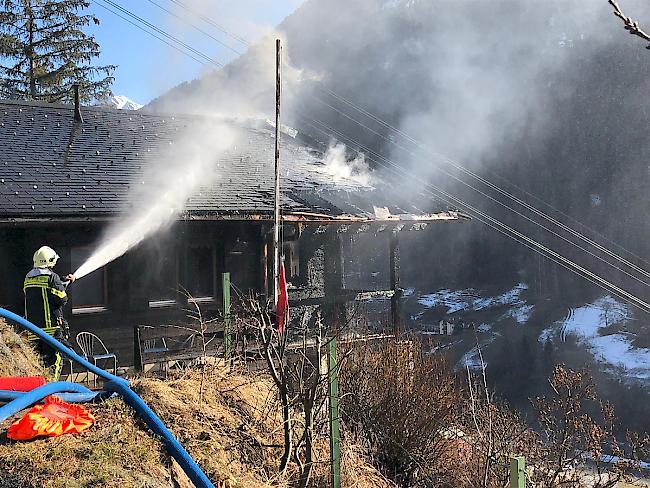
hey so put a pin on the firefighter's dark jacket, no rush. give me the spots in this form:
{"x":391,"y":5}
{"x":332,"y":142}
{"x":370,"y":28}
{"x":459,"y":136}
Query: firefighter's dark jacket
{"x":45,"y":297}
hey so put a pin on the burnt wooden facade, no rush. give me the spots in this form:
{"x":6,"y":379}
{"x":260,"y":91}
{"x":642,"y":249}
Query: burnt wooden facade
{"x":328,"y":267}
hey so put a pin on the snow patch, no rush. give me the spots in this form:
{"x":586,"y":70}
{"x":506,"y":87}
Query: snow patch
{"x":471,"y":300}
{"x":616,"y":350}
{"x":521,"y":313}
{"x":454,"y":300}
{"x":122,"y":103}
{"x":472,"y":360}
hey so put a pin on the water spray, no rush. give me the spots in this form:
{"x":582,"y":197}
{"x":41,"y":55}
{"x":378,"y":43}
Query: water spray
{"x":166,"y":185}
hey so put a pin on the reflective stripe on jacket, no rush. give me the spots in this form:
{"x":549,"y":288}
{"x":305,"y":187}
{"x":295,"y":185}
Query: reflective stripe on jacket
{"x":45,"y":297}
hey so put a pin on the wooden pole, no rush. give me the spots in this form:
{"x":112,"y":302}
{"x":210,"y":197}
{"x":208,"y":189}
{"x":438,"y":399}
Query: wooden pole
{"x":276,"y":228}
{"x":335,"y":430}
{"x":227,"y":336}
{"x":517,"y":472}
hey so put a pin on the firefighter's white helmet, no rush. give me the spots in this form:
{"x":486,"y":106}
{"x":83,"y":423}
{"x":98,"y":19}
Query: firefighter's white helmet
{"x":45,"y":257}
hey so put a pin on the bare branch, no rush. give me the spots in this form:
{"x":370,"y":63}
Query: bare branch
{"x":631,"y":25}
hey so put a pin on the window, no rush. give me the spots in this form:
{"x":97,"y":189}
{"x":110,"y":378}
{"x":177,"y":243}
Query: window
{"x":160,"y":276}
{"x":201,"y":272}
{"x":89,"y":294}
{"x":243,"y":263}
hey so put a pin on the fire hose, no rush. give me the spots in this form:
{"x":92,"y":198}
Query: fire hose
{"x":23,"y":400}
{"x":66,"y":394}
{"x":122,"y":387}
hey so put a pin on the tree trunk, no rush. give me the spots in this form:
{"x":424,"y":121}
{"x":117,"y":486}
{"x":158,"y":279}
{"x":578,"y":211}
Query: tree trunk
{"x":286,"y":422}
{"x":309,"y":461}
{"x":30,"y":51}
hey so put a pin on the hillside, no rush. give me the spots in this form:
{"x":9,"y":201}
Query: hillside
{"x":230,"y":431}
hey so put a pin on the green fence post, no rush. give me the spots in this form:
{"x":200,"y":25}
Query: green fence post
{"x":517,"y":472}
{"x":226,"y":317}
{"x":335,"y":431}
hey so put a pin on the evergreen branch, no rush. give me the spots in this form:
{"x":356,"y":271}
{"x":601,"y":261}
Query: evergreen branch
{"x":45,"y":50}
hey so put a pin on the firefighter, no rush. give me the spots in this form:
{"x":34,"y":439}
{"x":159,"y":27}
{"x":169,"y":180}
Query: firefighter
{"x":45,"y":296}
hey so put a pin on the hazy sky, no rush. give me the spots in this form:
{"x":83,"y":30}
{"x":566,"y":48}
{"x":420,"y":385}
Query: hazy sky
{"x":147,"y":67}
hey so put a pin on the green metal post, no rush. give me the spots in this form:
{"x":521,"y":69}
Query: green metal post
{"x":517,"y":472}
{"x":226,"y":317}
{"x":335,"y":431}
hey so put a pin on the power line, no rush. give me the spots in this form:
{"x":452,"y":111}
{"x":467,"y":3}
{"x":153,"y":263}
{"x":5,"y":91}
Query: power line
{"x":194,"y":26}
{"x":211,"y":22}
{"x":460,"y":167}
{"x":162,"y":32}
{"x":150,"y":33}
{"x":498,"y":225}
{"x":490,"y":197}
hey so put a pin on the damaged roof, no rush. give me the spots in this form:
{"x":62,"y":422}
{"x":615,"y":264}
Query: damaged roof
{"x":52,"y":166}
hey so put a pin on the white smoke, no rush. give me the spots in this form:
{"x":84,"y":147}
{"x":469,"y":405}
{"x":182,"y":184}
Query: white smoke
{"x":337,"y":165}
{"x":162,"y":191}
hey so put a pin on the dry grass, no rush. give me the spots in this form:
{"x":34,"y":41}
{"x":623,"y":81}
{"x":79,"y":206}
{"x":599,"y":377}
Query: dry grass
{"x":231,"y":433}
{"x":227,"y":432}
{"x":115,"y":452}
{"x":17,"y":357}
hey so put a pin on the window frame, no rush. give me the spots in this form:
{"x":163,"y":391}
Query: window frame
{"x":215,"y":282}
{"x":91,"y":308}
{"x":159,"y":303}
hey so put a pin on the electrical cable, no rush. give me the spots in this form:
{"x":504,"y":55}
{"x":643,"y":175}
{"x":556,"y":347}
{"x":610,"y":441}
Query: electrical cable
{"x":491,"y":198}
{"x":195,"y":27}
{"x":531,"y":208}
{"x":150,"y":33}
{"x":162,"y":32}
{"x":211,"y":22}
{"x":508,"y":231}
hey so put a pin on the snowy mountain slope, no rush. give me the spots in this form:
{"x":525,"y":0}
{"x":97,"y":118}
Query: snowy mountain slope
{"x":121,"y":102}
{"x":592,"y":325}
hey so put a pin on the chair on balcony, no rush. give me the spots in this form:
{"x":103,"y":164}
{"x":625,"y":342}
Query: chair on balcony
{"x":93,"y":350}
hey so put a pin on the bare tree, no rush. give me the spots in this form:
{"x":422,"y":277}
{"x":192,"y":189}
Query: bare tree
{"x":402,"y":400}
{"x":272,"y":346}
{"x":631,"y":25}
{"x":578,"y":428}
{"x":301,"y":378}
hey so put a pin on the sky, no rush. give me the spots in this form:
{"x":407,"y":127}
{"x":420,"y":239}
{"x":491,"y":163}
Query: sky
{"x":147,"y":67}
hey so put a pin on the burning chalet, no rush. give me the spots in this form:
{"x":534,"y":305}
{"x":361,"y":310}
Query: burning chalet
{"x":65,"y":175}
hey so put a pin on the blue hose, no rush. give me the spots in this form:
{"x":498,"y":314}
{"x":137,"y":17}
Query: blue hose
{"x":37,"y":394}
{"x":122,"y":387}
{"x":81,"y":397}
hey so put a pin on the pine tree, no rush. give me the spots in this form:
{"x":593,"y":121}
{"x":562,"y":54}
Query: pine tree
{"x":44,"y":51}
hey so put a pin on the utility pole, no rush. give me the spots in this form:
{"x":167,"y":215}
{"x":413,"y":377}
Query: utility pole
{"x":277,"y":223}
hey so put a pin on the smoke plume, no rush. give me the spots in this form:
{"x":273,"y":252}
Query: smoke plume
{"x":340,"y":167}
